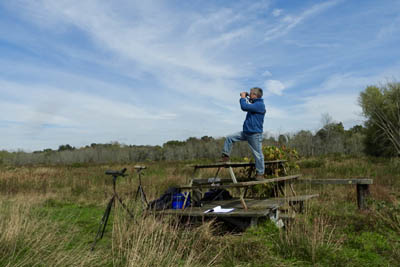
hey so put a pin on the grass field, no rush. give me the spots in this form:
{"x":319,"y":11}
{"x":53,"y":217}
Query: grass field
{"x":49,"y":216}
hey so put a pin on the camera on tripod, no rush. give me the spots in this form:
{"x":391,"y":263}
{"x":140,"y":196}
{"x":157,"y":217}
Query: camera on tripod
{"x":115,"y":196}
{"x":116,"y":173}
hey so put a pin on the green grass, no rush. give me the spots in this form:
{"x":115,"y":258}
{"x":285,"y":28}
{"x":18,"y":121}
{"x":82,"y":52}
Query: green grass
{"x":84,"y":218}
{"x":49,"y":216}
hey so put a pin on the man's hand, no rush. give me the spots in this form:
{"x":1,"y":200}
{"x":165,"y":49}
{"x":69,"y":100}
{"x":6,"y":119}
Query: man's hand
{"x":243,"y":94}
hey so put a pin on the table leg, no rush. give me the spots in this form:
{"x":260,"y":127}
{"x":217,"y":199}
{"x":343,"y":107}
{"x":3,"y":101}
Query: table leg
{"x":240,"y":192}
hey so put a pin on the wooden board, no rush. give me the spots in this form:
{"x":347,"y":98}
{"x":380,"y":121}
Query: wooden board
{"x":337,"y":181}
{"x":217,"y":180}
{"x":260,"y":203}
{"x":256,"y":207}
{"x":234,"y":164}
{"x":242,"y":184}
{"x":199,"y":212}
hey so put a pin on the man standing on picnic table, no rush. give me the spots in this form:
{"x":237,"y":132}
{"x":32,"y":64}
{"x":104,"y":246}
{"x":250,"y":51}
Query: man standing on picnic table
{"x":252,"y":129}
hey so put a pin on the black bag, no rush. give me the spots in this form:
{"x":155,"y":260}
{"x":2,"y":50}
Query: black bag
{"x":165,"y":201}
{"x":216,"y":194}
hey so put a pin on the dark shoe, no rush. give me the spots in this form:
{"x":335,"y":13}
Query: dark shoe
{"x":224,"y":158}
{"x":260,"y":177}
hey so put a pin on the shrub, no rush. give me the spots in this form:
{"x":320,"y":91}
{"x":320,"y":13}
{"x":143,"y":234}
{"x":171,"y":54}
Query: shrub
{"x":282,"y":153}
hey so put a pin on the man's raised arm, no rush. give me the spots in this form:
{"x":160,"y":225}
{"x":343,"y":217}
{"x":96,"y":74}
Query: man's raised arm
{"x":258,"y":106}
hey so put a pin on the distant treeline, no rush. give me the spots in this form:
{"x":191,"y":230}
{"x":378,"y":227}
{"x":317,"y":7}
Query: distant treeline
{"x":380,"y":136}
{"x":330,"y":139}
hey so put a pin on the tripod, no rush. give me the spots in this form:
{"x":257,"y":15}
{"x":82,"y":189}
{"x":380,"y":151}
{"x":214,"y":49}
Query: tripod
{"x":140,"y":188}
{"x":104,"y":219}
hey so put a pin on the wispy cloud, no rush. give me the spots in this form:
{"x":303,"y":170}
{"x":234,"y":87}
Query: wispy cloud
{"x":288,"y":22}
{"x":147,"y":72}
{"x":386,"y":32}
{"x":267,"y":73}
{"x":344,"y":107}
{"x":275,"y":87}
{"x":145,"y":42}
{"x":277,"y":12}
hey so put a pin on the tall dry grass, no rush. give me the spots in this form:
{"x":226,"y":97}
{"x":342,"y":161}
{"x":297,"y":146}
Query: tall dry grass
{"x":309,"y":238}
{"x":29,"y":238}
{"x":26,"y":240}
{"x":152,"y":241}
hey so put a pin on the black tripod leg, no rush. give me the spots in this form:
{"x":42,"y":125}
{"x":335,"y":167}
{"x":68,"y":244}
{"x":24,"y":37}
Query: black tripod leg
{"x":106,"y":220}
{"x":103,"y":222}
{"x":137,"y":192}
{"x":124,"y":206}
{"x":143,"y":196}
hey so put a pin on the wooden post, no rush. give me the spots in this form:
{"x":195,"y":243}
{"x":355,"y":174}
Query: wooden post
{"x":281,"y":186}
{"x":239,"y":190}
{"x":291,"y":188}
{"x":232,"y":175}
{"x":197,"y":193}
{"x":362,"y":194}
{"x":242,"y":200}
{"x":186,"y":198}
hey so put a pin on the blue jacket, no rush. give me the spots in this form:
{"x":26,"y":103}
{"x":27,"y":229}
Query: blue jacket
{"x":255,"y":115}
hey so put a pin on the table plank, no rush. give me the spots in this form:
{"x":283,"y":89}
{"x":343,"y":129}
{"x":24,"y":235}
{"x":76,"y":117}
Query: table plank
{"x":256,"y":207}
{"x":258,"y":203}
{"x":233,"y":164}
{"x":198,"y":212}
{"x":242,"y":184}
{"x":337,"y":181}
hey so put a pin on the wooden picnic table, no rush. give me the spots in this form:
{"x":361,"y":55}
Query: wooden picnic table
{"x":247,"y":211}
{"x":235,"y":183}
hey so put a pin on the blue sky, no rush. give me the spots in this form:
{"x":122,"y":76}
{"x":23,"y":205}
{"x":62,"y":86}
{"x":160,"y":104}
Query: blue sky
{"x":145,"y":72}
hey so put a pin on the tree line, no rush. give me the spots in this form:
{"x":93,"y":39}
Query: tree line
{"x":332,"y":138}
{"x":379,"y":136}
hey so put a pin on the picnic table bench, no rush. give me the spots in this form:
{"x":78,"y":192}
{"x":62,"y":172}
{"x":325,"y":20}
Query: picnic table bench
{"x":362,"y":187}
{"x":258,"y":209}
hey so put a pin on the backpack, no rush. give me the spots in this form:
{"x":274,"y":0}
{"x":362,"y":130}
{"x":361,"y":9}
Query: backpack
{"x":216,"y":194}
{"x":165,"y":201}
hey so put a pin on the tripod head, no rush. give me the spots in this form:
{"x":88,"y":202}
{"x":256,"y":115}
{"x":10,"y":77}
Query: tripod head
{"x":139,"y":168}
{"x":115,"y":174}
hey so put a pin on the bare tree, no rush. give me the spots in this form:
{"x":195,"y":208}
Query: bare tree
{"x":381,"y":106}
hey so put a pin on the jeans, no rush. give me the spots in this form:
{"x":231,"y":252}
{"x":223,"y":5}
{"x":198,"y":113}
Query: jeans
{"x":255,"y":144}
